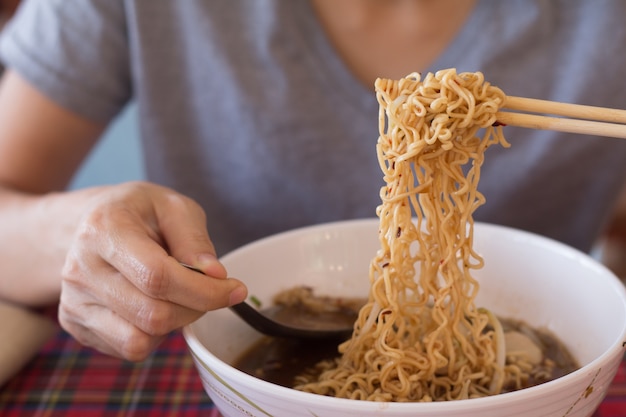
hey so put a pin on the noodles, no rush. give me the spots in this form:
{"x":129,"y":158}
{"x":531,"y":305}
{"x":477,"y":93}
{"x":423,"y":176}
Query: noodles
{"x":420,"y":337}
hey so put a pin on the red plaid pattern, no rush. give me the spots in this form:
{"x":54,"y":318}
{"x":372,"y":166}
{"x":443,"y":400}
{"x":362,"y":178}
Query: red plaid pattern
{"x":69,"y":380}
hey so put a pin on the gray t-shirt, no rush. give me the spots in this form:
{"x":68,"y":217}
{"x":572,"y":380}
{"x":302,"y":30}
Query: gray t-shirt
{"x":245,"y":106}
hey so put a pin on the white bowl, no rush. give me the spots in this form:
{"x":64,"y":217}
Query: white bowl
{"x":540,"y":281}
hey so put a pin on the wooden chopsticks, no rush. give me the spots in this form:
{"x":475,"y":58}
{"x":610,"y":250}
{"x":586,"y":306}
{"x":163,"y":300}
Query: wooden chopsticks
{"x":578,"y":118}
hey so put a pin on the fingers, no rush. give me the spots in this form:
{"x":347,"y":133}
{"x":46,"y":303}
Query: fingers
{"x":117,"y":318}
{"x":100,"y":328}
{"x":122,"y":291}
{"x":150,"y":269}
{"x":107,"y":312}
{"x":134,"y":237}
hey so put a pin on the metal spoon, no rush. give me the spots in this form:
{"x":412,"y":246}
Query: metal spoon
{"x":271,"y":321}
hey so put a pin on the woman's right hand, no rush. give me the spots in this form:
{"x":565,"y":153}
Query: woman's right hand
{"x":123,"y":288}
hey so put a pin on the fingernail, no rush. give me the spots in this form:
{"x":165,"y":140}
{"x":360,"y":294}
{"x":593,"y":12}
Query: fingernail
{"x":237,"y":295}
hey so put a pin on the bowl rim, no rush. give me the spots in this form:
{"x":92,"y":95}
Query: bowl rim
{"x":203,"y":355}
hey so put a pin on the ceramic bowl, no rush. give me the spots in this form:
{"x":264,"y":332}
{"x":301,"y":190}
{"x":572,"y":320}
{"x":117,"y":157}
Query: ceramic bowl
{"x":528,"y":277}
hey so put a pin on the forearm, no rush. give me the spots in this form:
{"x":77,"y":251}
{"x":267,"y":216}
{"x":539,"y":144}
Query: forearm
{"x":36,"y":232}
{"x":41,"y":146}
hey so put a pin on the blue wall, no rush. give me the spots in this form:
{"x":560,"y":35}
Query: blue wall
{"x":117,"y":157}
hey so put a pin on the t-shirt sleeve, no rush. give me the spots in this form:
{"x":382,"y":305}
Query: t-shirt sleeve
{"x":73,"y":51}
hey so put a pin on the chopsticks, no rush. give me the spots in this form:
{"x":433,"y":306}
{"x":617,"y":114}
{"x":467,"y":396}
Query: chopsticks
{"x":578,"y":118}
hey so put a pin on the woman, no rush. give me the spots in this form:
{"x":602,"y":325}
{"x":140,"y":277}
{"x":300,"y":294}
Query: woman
{"x":259,"y":116}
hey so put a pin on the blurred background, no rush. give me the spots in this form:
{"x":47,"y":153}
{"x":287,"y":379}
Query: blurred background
{"x":117,"y":157}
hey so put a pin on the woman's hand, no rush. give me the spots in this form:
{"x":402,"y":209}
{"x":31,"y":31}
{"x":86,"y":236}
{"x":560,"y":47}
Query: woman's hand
{"x":123,"y":288}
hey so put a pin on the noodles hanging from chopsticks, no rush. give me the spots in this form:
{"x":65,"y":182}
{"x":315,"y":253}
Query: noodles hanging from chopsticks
{"x":420,"y":337}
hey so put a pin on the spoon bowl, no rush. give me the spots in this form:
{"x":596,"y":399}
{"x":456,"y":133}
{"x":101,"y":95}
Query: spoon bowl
{"x":290,"y":322}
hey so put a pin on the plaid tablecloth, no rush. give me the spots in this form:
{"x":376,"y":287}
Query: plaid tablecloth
{"x":66,"y":379}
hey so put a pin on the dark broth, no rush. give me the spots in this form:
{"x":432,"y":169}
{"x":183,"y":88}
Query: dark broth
{"x":553,"y":351}
{"x":279,"y":361}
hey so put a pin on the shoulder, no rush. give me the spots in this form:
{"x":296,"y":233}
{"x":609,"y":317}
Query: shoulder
{"x":74,"y":52}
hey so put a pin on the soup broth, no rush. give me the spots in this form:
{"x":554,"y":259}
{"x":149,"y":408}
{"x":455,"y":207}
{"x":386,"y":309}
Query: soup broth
{"x":282,"y":361}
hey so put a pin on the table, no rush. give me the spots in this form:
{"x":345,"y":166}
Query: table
{"x":67,"y":379}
